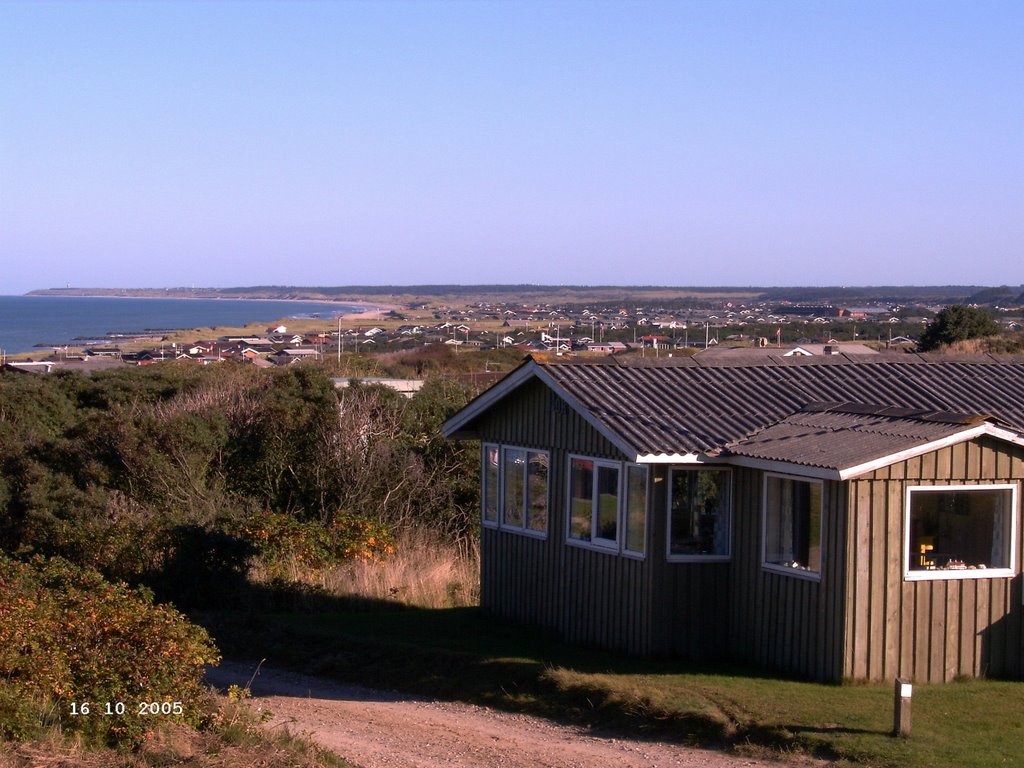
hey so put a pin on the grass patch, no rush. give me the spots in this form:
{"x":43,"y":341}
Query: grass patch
{"x":461,"y":654}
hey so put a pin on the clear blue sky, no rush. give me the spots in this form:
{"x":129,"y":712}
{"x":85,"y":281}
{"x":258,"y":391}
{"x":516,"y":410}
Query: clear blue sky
{"x":696,"y":143}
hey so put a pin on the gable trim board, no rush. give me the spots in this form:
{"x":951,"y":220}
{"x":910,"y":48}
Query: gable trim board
{"x":454,"y":426}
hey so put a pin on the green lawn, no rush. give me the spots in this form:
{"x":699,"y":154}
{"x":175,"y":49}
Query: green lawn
{"x":461,"y":654}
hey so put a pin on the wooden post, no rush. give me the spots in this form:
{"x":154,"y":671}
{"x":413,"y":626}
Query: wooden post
{"x":901,"y":708}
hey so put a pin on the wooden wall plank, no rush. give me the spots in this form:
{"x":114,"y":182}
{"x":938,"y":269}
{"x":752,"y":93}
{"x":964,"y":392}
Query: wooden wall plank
{"x":939,"y":629}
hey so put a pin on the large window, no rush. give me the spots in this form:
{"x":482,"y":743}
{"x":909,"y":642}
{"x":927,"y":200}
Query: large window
{"x":607,"y":504}
{"x":699,"y":514}
{"x":792,"y":525}
{"x":960,"y":531}
{"x":515,"y":489}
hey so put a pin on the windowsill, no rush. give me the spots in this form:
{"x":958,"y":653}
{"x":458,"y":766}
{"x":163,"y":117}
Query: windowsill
{"x":634,"y":555}
{"x":523,"y":532}
{"x":492,"y":524}
{"x":698,"y":558}
{"x":799,"y":573}
{"x":593,"y":546}
{"x":948,"y":574}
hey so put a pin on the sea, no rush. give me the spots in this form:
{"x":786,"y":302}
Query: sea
{"x":38,"y":323}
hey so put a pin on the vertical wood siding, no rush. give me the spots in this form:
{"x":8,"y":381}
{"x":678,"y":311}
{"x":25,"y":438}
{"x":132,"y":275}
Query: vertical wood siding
{"x":642,"y":606}
{"x":780,"y":621}
{"x":929,"y":631}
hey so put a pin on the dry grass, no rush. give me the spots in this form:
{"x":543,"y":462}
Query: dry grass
{"x":425,"y":571}
{"x":230,"y":745}
{"x":1006,"y":344}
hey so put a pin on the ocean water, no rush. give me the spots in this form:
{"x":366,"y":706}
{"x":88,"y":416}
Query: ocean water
{"x":28,"y":321}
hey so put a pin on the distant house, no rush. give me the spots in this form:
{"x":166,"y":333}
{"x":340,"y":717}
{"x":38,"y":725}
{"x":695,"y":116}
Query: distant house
{"x":839,"y":517}
{"x":294,"y":354}
{"x":407,"y":387}
{"x":806,"y":349}
{"x":607,"y":348}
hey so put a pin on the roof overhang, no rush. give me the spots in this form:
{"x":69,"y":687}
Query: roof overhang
{"x":857,"y":470}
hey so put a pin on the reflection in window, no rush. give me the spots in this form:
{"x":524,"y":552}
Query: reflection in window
{"x":515,"y":487}
{"x":581,"y":498}
{"x":699,"y":512}
{"x":792,"y":536}
{"x":537,"y":492}
{"x":636,"y":508}
{"x":607,"y":503}
{"x":491,"y":488}
{"x":515,"y":481}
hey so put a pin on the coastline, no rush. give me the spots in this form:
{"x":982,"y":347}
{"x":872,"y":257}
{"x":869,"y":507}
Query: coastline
{"x":73,"y":322}
{"x":370,"y":306}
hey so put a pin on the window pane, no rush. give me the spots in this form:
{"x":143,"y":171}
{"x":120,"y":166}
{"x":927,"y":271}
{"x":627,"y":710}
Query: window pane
{"x":959,"y":530}
{"x":607,"y":503}
{"x":636,"y":508}
{"x":793,"y":524}
{"x":581,"y":498}
{"x":515,"y":487}
{"x":491,"y":483}
{"x":699,"y":514}
{"x":537,"y":483}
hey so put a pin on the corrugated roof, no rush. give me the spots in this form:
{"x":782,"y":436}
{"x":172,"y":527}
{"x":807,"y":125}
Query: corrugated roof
{"x":669,"y":407}
{"x":838,"y":439}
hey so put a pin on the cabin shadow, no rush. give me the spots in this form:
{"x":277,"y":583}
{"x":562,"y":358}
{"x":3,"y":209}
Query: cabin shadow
{"x":997,"y":641}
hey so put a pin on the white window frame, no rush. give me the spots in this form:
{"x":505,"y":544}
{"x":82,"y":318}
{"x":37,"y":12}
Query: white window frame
{"x":608,"y":546}
{"x":500,"y":523}
{"x":678,"y":558}
{"x":946,"y":575}
{"x":799,"y":573}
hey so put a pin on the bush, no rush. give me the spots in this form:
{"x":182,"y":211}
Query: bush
{"x":88,"y":646}
{"x":291,"y":548}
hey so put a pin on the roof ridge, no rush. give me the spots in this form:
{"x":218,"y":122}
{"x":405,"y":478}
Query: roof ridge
{"x":898,"y":412}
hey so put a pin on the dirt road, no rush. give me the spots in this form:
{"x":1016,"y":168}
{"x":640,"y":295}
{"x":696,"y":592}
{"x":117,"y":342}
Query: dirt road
{"x":376,"y":729}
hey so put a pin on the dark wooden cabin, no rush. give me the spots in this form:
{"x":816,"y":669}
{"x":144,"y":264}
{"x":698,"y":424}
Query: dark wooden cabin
{"x":839,"y":518}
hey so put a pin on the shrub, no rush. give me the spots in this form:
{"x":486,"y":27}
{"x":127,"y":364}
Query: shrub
{"x":89,"y":646}
{"x":292,"y":548}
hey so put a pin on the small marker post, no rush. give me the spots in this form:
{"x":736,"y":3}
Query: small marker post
{"x":901,"y":708}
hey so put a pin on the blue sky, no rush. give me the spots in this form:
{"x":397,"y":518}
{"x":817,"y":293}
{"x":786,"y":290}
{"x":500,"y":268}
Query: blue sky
{"x":683,"y":143}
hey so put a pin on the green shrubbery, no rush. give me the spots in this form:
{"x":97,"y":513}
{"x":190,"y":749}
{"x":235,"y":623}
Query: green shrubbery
{"x":291,"y":548}
{"x":99,"y":658}
{"x":188,"y":481}
{"x":138,"y":473}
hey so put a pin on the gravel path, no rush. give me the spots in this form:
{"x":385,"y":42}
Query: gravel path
{"x":378,"y":729}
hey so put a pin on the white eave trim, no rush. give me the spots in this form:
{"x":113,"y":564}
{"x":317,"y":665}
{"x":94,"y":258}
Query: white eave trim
{"x":675,"y":458}
{"x":968,"y":434}
{"x":782,"y":467}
